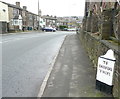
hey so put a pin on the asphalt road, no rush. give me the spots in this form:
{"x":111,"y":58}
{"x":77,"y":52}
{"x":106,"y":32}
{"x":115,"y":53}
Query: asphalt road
{"x":26,"y":58}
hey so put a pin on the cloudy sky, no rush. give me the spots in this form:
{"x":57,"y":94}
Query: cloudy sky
{"x":54,"y":7}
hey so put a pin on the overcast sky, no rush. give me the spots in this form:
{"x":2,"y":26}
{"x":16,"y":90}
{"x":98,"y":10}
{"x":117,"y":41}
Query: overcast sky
{"x":53,"y":7}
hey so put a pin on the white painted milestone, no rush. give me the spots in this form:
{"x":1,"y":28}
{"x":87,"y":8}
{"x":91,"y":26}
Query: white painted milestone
{"x":105,"y":68}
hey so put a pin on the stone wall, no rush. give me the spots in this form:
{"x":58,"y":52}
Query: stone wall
{"x":103,"y":18}
{"x":95,"y":48}
{"x":100,"y":31}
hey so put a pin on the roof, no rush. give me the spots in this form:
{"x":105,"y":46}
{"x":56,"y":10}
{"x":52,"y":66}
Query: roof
{"x":14,"y":6}
{"x":50,"y":17}
{"x":11,"y":5}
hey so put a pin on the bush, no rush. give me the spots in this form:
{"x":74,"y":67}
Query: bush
{"x":61,"y":27}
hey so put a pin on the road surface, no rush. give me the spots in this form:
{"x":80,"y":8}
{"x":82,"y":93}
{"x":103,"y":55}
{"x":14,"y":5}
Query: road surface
{"x":26,"y":58}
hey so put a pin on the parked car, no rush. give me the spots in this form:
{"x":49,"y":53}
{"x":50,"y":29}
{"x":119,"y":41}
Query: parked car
{"x":65,"y":29}
{"x":72,"y":29}
{"x":49,"y":29}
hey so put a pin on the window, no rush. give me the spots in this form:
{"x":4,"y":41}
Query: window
{"x":20,"y":22}
{"x":4,"y":10}
{"x":16,"y":22}
{"x":15,"y":12}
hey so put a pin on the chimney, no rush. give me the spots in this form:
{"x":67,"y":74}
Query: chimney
{"x":24,"y":7}
{"x":18,"y":4}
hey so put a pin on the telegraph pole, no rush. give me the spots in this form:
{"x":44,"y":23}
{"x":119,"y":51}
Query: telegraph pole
{"x":38,"y":17}
{"x":38,"y":7}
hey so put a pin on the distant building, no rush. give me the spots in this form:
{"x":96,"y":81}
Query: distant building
{"x":50,"y":21}
{"x":69,"y":21}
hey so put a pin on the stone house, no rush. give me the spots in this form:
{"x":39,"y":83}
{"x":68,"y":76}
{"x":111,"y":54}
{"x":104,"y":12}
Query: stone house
{"x":62,"y":21}
{"x":20,"y":18}
{"x":50,"y":20}
{"x":35,"y":19}
{"x":25,"y":18}
{"x":30,"y":21}
{"x":15,"y":17}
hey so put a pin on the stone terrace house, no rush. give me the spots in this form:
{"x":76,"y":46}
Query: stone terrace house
{"x":20,"y":18}
{"x":62,"y":21}
{"x":25,"y":18}
{"x":32,"y":21}
{"x":50,"y":20}
{"x":15,"y":17}
{"x":36,"y":20}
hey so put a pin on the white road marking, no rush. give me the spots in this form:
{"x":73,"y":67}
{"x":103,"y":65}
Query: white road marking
{"x":44,"y":83}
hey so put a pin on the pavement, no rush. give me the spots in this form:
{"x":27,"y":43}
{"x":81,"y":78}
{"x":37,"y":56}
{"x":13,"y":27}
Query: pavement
{"x":72,"y":74}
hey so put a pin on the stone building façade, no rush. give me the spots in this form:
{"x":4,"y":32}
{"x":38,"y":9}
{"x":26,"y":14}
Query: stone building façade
{"x":20,"y":19}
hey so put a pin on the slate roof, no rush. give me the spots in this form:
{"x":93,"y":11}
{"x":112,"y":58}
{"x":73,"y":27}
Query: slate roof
{"x":11,"y":5}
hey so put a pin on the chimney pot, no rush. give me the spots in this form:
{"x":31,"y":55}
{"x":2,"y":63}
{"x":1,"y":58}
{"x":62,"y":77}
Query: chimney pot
{"x":24,"y":7}
{"x":18,"y":4}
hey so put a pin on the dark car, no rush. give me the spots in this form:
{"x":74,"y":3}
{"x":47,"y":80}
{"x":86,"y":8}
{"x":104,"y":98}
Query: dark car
{"x":49,"y":29}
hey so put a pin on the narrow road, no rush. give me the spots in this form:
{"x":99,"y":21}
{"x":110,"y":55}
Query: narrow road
{"x":26,"y":58}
